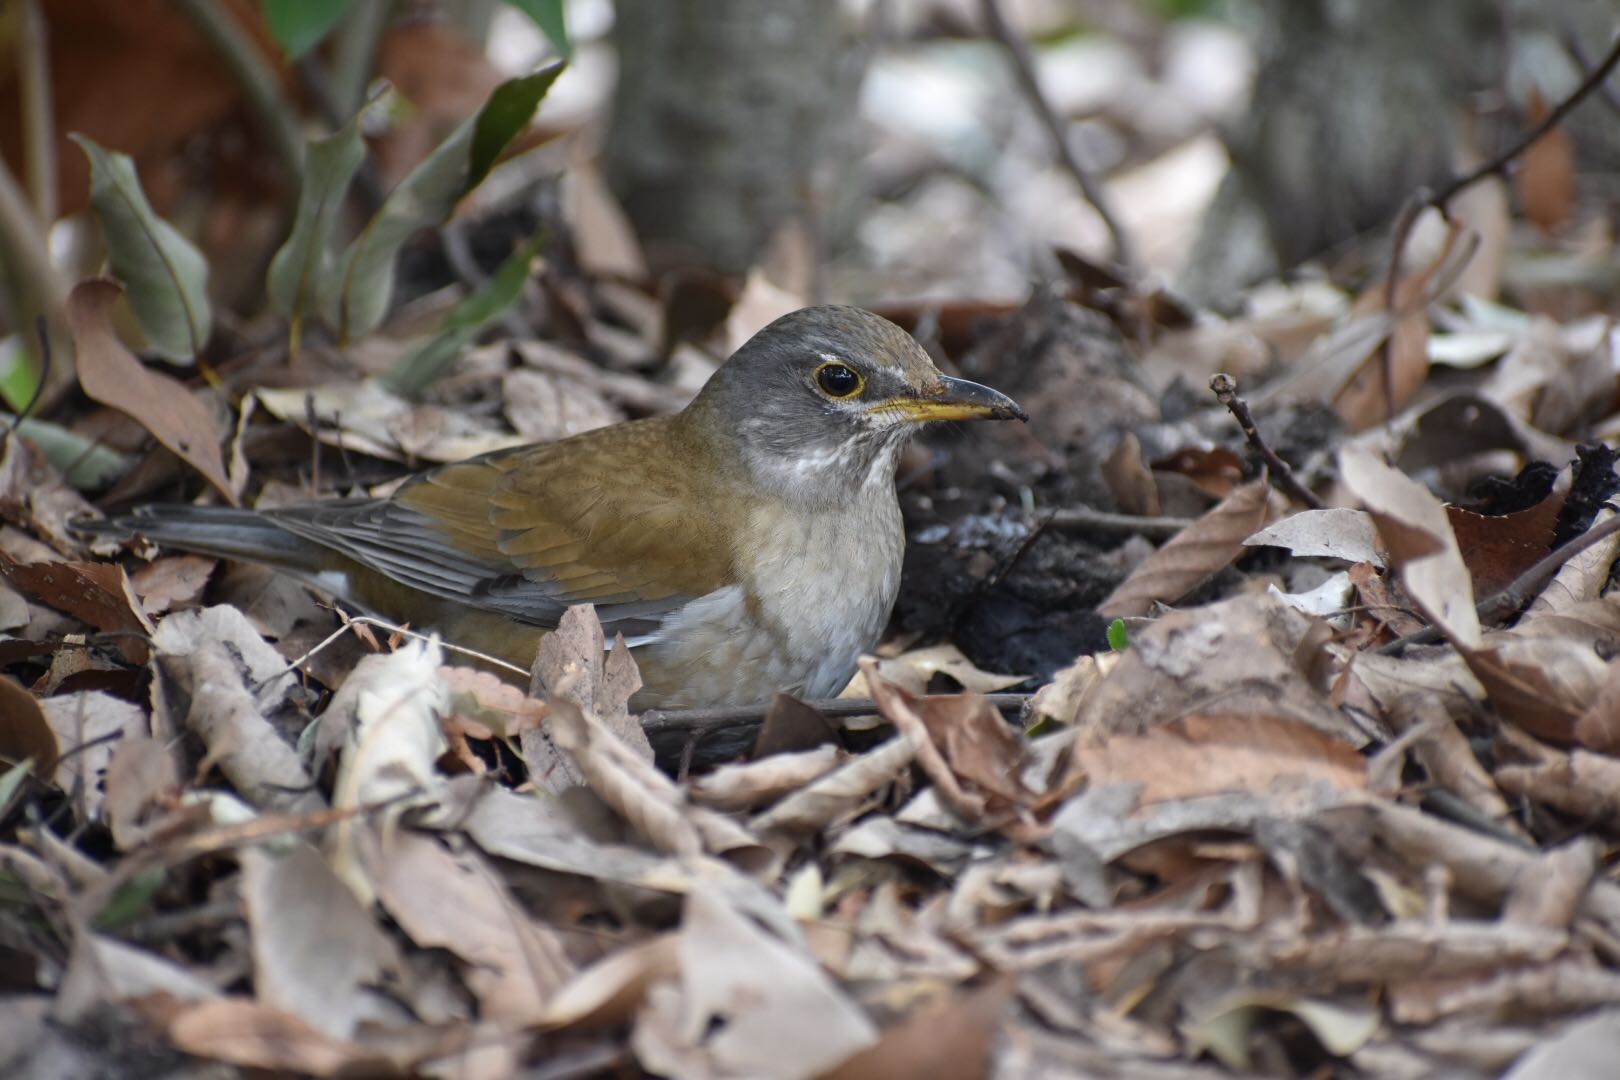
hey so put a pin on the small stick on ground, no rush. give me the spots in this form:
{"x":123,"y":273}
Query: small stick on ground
{"x":1501,"y":604}
{"x":1282,"y":477}
{"x":1083,"y":519}
{"x":702,"y":721}
{"x":1024,"y":69}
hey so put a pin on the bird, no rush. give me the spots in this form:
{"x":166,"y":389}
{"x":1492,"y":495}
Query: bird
{"x":749,"y":544}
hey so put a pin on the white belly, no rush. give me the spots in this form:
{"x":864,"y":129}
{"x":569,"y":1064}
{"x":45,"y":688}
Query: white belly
{"x":823,"y":587}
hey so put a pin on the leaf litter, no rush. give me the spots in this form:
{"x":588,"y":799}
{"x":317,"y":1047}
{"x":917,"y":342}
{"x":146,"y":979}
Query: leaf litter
{"x":1328,"y":811}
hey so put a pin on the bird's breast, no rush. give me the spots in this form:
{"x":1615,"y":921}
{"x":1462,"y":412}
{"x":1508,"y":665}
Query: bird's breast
{"x":814,"y":591}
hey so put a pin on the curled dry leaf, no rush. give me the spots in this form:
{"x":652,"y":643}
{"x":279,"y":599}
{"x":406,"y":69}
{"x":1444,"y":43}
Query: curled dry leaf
{"x":1420,"y":541}
{"x":739,"y":787}
{"x":913,"y":670}
{"x":256,"y":1036}
{"x":90,"y":726}
{"x":1251,"y":652}
{"x":841,"y":791}
{"x":1542,"y":684}
{"x":1498,"y":549}
{"x":1206,"y":546}
{"x":387,"y":715}
{"x":231,"y":677}
{"x":608,"y":993}
{"x":1061,"y":700}
{"x":111,"y":375}
{"x":483,"y":706}
{"x":899,"y":708}
{"x":368,"y":417}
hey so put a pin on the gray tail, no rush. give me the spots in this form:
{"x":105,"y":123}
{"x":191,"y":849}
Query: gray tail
{"x":220,"y":531}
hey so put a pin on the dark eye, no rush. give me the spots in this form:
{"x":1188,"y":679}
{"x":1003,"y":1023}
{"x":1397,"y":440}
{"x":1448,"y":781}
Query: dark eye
{"x":839,"y":380}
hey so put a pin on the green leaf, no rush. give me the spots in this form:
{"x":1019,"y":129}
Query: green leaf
{"x":365,"y":280}
{"x":84,"y":463}
{"x":548,"y":16}
{"x":303,"y":267}
{"x":504,"y":117}
{"x":1117,"y":638}
{"x":164,"y":276}
{"x":131,"y":901}
{"x":300,"y":25}
{"x":414,"y":371}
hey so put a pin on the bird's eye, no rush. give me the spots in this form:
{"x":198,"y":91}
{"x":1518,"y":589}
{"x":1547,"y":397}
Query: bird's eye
{"x":839,"y":380}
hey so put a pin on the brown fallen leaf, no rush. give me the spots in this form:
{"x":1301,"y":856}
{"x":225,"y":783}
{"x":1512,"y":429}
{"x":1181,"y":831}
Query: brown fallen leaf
{"x":607,"y":993}
{"x":179,"y":579}
{"x":947,"y":1040}
{"x":1412,"y":523}
{"x":457,"y":901}
{"x":25,"y":734}
{"x":111,"y":375}
{"x":1542,"y":684}
{"x":258,"y":1036}
{"x":1545,"y":178}
{"x":486,"y":707}
{"x":97,"y":593}
{"x":1498,"y":549}
{"x":1206,"y":546}
{"x":1214,"y":753}
{"x":1129,"y":479}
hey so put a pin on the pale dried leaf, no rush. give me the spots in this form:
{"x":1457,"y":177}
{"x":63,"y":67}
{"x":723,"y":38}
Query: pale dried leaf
{"x":739,"y":787}
{"x":1415,"y":530}
{"x":176,"y":580}
{"x":315,"y":947}
{"x":1206,"y":546}
{"x":840,"y":791}
{"x":1336,"y":533}
{"x":748,"y":1003}
{"x":914,"y":669}
{"x":457,"y":901}
{"x":607,"y":993}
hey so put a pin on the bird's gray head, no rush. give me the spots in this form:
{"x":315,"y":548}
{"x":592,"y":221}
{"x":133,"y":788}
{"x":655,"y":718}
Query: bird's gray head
{"x":820,"y":401}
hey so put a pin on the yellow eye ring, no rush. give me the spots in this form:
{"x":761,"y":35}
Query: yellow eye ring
{"x":838,"y":380}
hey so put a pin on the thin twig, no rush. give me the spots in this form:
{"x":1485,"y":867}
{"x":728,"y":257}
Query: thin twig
{"x":1083,"y":519}
{"x":258,"y":81}
{"x":1028,"y":81}
{"x":1282,"y":477}
{"x":1501,"y":604}
{"x":1577,"y":52}
{"x":1498,"y":165}
{"x":658,"y":721}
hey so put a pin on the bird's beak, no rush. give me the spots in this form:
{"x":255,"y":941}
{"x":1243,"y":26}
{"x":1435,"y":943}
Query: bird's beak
{"x":954,"y":399}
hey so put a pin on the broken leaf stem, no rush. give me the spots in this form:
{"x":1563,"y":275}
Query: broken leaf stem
{"x":1282,"y":477}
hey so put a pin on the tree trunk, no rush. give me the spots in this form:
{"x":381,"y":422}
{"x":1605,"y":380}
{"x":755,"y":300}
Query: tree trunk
{"x":722,"y":113}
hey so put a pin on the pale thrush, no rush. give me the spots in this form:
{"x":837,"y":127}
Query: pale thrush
{"x":750,"y":543}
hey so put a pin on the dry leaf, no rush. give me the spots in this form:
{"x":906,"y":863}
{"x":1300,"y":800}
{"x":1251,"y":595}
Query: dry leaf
{"x":111,"y":375}
{"x":96,"y":593}
{"x":1129,"y":479}
{"x":1418,"y":536}
{"x":1545,"y":178}
{"x":1216,"y":753}
{"x":1206,"y":546}
{"x":913,"y":670}
{"x":946,"y":1040}
{"x":316,"y":949}
{"x":167,"y":582}
{"x":457,"y":901}
{"x":1337,"y":533}
{"x":25,"y":733}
